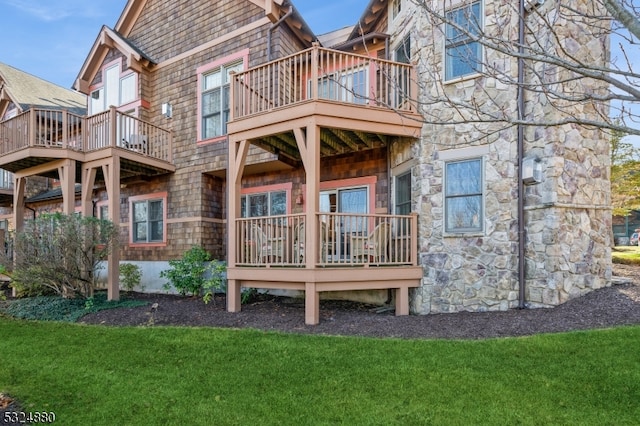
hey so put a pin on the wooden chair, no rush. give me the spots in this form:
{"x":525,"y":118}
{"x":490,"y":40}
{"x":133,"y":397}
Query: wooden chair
{"x":372,"y":248}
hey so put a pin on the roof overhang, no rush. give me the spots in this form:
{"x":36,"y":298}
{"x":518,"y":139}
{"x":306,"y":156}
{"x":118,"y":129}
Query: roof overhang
{"x":6,"y":98}
{"x":371,"y":15}
{"x":109,"y":39}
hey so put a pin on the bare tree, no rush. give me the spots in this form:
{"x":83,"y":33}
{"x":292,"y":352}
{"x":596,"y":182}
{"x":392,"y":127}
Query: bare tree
{"x":556,"y":54}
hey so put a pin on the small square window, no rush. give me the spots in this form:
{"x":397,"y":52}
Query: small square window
{"x":148,"y":221}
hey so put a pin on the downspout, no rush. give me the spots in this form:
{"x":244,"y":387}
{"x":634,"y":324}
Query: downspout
{"x":520,"y":127}
{"x":273,"y":27}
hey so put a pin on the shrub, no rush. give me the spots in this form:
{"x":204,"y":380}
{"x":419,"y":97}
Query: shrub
{"x":60,"y":253}
{"x":195,"y":274}
{"x":130,"y":276}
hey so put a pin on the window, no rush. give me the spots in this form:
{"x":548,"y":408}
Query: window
{"x":462,"y":55}
{"x":6,"y":179}
{"x":215,"y":93}
{"x":264,"y":204}
{"x":148,"y":221}
{"x":463,"y":196}
{"x":403,"y":193}
{"x":348,"y":86}
{"x":103,"y":212}
{"x":396,"y":8}
{"x":402,"y":54}
{"x":117,"y":89}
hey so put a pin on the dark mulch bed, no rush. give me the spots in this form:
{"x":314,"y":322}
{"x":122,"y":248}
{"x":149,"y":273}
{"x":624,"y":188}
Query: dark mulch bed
{"x":616,"y":305}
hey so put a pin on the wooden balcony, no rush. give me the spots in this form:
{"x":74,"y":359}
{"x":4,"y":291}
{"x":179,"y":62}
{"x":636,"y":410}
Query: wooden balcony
{"x":39,"y":136}
{"x":348,"y":252}
{"x":358,"y":102}
{"x":314,"y":104}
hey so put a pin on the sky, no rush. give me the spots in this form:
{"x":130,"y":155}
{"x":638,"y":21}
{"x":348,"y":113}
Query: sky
{"x":51,"y":38}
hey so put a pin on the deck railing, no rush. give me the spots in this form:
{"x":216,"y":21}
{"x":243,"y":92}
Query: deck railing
{"x":65,"y":130}
{"x":324,"y":74}
{"x":343,"y":240}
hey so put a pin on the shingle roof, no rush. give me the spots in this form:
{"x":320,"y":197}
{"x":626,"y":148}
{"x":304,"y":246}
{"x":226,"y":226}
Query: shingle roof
{"x":31,"y":91}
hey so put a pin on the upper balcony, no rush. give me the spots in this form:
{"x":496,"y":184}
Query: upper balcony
{"x":358,"y":101}
{"x":39,"y":136}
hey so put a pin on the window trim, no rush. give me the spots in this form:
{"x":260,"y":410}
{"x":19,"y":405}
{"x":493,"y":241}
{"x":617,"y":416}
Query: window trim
{"x":201,"y":71}
{"x":483,"y":194}
{"x":162,"y":196}
{"x":445,"y":47}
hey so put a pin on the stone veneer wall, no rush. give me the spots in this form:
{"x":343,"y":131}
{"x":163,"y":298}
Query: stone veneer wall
{"x":567,"y":218}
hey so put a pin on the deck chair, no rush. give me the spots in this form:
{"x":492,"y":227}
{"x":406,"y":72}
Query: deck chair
{"x":372,"y":248}
{"x":267,"y":249}
{"x":298,"y":243}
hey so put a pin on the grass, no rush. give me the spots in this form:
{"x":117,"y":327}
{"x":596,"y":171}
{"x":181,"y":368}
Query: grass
{"x":627,"y":255}
{"x":200,"y":376}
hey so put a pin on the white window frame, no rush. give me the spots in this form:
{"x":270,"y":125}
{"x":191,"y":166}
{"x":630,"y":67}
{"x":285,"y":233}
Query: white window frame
{"x":463,"y":40}
{"x":101,"y":96}
{"x":339,"y":86}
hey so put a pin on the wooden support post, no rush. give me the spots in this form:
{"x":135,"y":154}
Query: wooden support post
{"x":67,"y":175}
{"x":311,"y":304}
{"x":111,"y":173}
{"x":402,"y":301}
{"x":234,"y":300}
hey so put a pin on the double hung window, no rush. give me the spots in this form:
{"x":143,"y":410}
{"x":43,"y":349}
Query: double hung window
{"x":464,"y":196}
{"x":215,"y":92}
{"x":463,"y":55}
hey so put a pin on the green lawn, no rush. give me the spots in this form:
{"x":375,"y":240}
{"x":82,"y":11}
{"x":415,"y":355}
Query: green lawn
{"x":629,"y":255}
{"x":93,"y":375}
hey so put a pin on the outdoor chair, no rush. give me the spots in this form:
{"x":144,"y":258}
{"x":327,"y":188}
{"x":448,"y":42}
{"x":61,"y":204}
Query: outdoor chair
{"x":372,"y":248}
{"x":267,"y":248}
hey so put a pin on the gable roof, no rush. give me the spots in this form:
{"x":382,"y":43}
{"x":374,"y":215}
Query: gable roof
{"x":372,"y":14}
{"x":109,"y":39}
{"x":276,"y":10}
{"x":28,"y":91}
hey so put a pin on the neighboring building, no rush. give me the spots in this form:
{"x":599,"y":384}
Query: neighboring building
{"x":21,"y":92}
{"x":304,"y":162}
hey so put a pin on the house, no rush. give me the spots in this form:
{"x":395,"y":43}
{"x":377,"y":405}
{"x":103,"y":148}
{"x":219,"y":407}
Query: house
{"x":21,"y":92}
{"x":307,"y":163}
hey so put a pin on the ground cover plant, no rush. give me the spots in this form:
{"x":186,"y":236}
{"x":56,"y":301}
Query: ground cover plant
{"x":627,"y":255}
{"x":169,"y":375}
{"x":56,"y":308}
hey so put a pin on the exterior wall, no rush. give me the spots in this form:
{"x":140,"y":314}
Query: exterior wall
{"x":195,"y":198}
{"x":567,"y":221}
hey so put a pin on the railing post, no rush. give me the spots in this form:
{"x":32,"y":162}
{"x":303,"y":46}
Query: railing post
{"x":315,"y":63}
{"x":414,"y":239}
{"x":232,"y":95}
{"x":113,"y":126}
{"x":32,"y":127}
{"x":65,"y":129}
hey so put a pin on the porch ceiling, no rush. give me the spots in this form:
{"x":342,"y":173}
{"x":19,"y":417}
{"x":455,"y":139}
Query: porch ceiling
{"x":332,"y":142}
